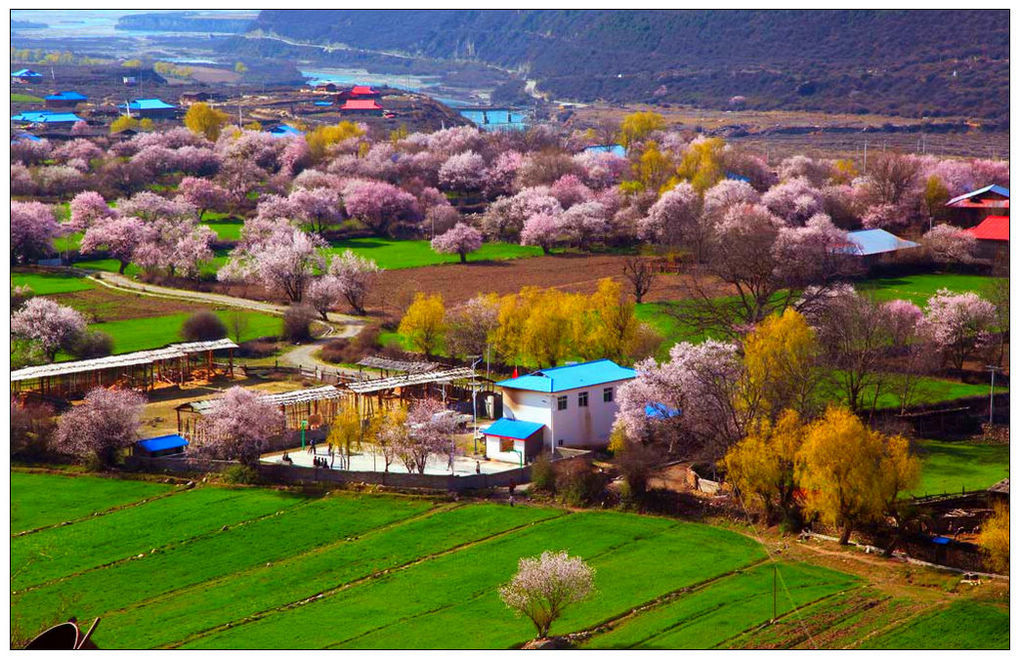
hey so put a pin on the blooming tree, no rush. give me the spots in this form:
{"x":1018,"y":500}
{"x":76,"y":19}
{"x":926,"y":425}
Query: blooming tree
{"x":463,"y":172}
{"x":323,"y":294}
{"x":88,"y":207}
{"x":239,"y":427}
{"x":545,"y":585}
{"x":120,"y":236}
{"x":203,"y":194}
{"x":569,"y":190}
{"x":430,"y":427}
{"x":461,"y":239}
{"x":585,"y":223}
{"x":30,"y":152}
{"x":354,"y":275}
{"x":33,"y":228}
{"x":504,"y":219}
{"x":471,"y":324}
{"x":59,"y":180}
{"x":285,"y":259}
{"x":150,"y":207}
{"x":542,"y":229}
{"x":52,"y":325}
{"x":882,"y":216}
{"x":726,"y":193}
{"x":79,"y":149}
{"x":957,"y":323}
{"x":794,"y":200}
{"x":198,"y":160}
{"x":949,"y":244}
{"x":381,"y":206}
{"x":317,"y":209}
{"x":673,"y":219}
{"x":102,"y":426}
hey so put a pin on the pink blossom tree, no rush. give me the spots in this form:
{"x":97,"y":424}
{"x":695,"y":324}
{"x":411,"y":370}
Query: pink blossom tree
{"x":461,"y":239}
{"x":884,"y":216}
{"x":569,"y":190}
{"x":149,"y":207}
{"x":240,"y":177}
{"x":957,"y":324}
{"x":815,"y":172}
{"x":22,"y":182}
{"x":794,"y":200}
{"x":203,"y":194}
{"x":543,"y":230}
{"x":316,"y":209}
{"x":949,"y":244}
{"x":586,"y":223}
{"x":155,"y":160}
{"x":59,"y":180}
{"x":295,"y":156}
{"x":30,"y":152}
{"x":903,"y":318}
{"x":673,"y":219}
{"x":805,"y":255}
{"x":545,"y":585}
{"x":80,"y":128}
{"x":119,"y":236}
{"x":323,"y":293}
{"x":313,"y":178}
{"x":463,"y":172}
{"x":430,"y":427}
{"x":601,"y":169}
{"x":503,"y":174}
{"x":381,"y":206}
{"x":101,"y":427}
{"x":505,"y":217}
{"x":284,"y":259}
{"x":53,"y":326}
{"x":197,"y":160}
{"x":33,"y":228}
{"x":726,"y":193}
{"x":355,"y":276}
{"x":239,"y":427}
{"x":87,"y":208}
{"x":79,"y":149}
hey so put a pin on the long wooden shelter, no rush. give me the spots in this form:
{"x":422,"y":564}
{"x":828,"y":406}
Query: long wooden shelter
{"x":317,"y":406}
{"x":144,"y":370}
{"x":449,"y":385}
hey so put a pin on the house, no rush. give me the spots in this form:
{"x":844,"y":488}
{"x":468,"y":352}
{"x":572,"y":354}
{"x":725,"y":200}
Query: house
{"x":65,"y":99}
{"x":970,"y":208}
{"x":369,"y":107}
{"x":157,"y":447}
{"x":575,"y":405}
{"x":188,"y":98}
{"x":47,"y":118}
{"x":363,"y":92}
{"x":992,"y":238}
{"x":129,"y":81}
{"x":150,"y":108}
{"x":873,"y":246}
{"x":26,"y":76}
{"x":508,"y":440}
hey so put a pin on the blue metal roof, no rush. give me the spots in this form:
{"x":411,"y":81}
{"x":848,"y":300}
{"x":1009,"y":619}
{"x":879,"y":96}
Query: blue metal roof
{"x":323,"y":104}
{"x":67,"y":96}
{"x":47,"y":117}
{"x":737,"y":177}
{"x":998,"y":189}
{"x":874,"y":241}
{"x":660,"y":411}
{"x":149,"y":104}
{"x":574,"y":376}
{"x":26,"y":73}
{"x":162,"y":443}
{"x":615,"y":149}
{"x":285,"y":130}
{"x":513,"y":429}
{"x":25,"y":136}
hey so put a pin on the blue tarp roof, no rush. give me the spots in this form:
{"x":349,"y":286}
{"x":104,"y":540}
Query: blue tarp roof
{"x":513,"y":429}
{"x":46,"y":117}
{"x":26,"y":73}
{"x":149,"y":104}
{"x":323,"y":104}
{"x":615,"y":149}
{"x":25,"y":136}
{"x":874,"y":241}
{"x":998,"y":189}
{"x":574,"y":376}
{"x":67,"y":96}
{"x":284,"y":130}
{"x":162,"y":443}
{"x":737,"y":177}
{"x":660,"y":411}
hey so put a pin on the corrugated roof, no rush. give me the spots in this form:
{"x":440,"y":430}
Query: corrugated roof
{"x":993,"y":227}
{"x":162,"y":443}
{"x":361,"y":90}
{"x":660,"y":411}
{"x":512,"y":429}
{"x":874,"y":241}
{"x":997,"y":189}
{"x":285,"y":130}
{"x":352,"y":104}
{"x":573,"y":376}
{"x":26,"y":73}
{"x":119,"y":361}
{"x":149,"y":104}
{"x":67,"y":96}
{"x":615,"y":149}
{"x":411,"y":379}
{"x":326,"y":392}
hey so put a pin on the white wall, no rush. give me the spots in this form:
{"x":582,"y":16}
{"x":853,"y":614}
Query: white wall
{"x":573,"y":427}
{"x":493,"y":453}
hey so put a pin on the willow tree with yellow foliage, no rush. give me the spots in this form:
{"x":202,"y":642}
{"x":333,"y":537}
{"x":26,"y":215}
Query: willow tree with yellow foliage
{"x":424,"y":323}
{"x":994,"y":539}
{"x":701,"y":165}
{"x":323,"y":137}
{"x":852,"y":475}
{"x":203,"y":119}
{"x":651,"y":171}
{"x":636,"y":126}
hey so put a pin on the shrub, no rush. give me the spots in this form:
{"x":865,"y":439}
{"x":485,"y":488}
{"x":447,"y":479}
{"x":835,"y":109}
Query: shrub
{"x":579,"y":484}
{"x":32,"y":426}
{"x":203,"y":326}
{"x":256,"y":349}
{"x":91,"y":344}
{"x":297,"y":323}
{"x":543,"y":476}
{"x":242,"y":475}
{"x":350,"y":351}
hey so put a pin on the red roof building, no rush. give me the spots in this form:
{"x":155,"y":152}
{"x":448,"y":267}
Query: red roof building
{"x":364,"y":91}
{"x":993,"y":227}
{"x":353,"y":106}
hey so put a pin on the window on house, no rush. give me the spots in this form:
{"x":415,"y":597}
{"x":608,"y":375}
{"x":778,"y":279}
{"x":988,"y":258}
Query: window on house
{"x":582,"y":399}
{"x":607,"y":395}
{"x":561,"y":402}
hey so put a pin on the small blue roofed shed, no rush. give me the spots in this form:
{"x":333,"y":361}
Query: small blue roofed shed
{"x":571,"y":376}
{"x":27,"y":75}
{"x":509,"y":440}
{"x":870,"y":242}
{"x":155,"y":447}
{"x":512,"y":429}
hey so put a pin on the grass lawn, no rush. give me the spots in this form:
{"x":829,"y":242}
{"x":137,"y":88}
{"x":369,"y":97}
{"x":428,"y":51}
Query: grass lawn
{"x":953,"y":466}
{"x":963,"y":624}
{"x":918,"y":288}
{"x":147,"y":333}
{"x":227,"y":227}
{"x":44,"y":499}
{"x":25,"y":98}
{"x":113,"y":265}
{"x":397,"y":254}
{"x":69,"y":242}
{"x":49,"y":283}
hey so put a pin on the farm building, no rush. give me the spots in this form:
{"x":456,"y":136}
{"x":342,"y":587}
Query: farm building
{"x":575,"y":404}
{"x":508,"y":440}
{"x":363,"y":92}
{"x":874,"y":246}
{"x":970,"y":208}
{"x":150,"y":108}
{"x":304,"y":408}
{"x":992,"y":237}
{"x":365,"y":107}
{"x":66,"y":99}
{"x":158,"y":447}
{"x":47,"y":118}
{"x":26,"y":76}
{"x":187,"y":98}
{"x":144,"y":370}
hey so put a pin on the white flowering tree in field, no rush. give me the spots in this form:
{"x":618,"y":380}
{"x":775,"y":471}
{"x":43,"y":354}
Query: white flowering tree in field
{"x":545,"y":585}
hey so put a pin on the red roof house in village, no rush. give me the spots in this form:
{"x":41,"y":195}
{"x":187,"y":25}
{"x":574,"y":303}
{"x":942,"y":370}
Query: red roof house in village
{"x":971,"y":208}
{"x":992,"y":237}
{"x":366,"y":107}
{"x":361,"y":92}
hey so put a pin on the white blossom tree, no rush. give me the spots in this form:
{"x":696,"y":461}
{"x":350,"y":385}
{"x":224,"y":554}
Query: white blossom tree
{"x":545,"y":585}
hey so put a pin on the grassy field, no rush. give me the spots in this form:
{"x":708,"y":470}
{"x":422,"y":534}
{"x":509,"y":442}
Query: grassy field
{"x":954,"y":466}
{"x":210,"y":267}
{"x":25,"y":98}
{"x":146,"y":333}
{"x":49,"y":283}
{"x":398,"y":254}
{"x":918,"y":288}
{"x":964,"y":624}
{"x":230,"y":568}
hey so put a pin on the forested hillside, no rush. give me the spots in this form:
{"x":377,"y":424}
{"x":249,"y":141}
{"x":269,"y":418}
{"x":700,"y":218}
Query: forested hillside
{"x":915,"y":63}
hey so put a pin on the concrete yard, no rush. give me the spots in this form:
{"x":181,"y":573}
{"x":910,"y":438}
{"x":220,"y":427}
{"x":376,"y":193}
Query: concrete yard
{"x":368,"y":460}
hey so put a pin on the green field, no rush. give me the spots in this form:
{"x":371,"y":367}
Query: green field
{"x":918,"y":288}
{"x":961,"y":625}
{"x":69,"y":242}
{"x":208,"y":268}
{"x":955,"y":466}
{"x":230,"y":568}
{"x":49,"y":283}
{"x":397,"y":254}
{"x":146,"y":333}
{"x":227,"y":227}
{"x":25,"y":98}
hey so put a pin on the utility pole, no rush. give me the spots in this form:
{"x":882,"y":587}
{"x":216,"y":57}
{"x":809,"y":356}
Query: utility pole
{"x":865,"y":156}
{"x":991,"y":392}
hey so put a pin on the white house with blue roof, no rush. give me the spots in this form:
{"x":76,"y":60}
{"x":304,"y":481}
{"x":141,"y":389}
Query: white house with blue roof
{"x":573,"y":406}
